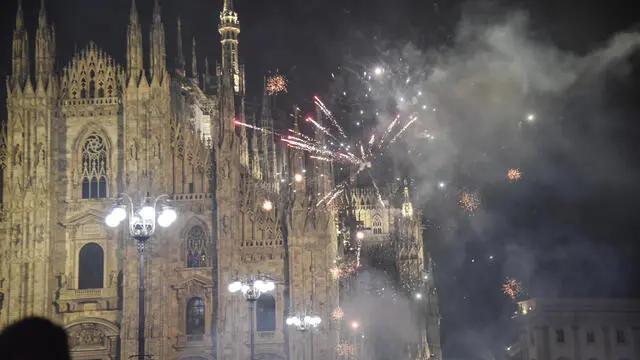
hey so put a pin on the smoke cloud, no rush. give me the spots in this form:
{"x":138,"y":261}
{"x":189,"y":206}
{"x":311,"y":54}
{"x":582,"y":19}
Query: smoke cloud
{"x":496,"y":99}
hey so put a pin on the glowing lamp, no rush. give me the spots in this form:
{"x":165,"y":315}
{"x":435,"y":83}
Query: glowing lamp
{"x":297,"y":177}
{"x":267,"y":205}
{"x":147,"y":212}
{"x":235,"y":286}
{"x":112,"y":221}
{"x":167,"y":217}
{"x":359,"y":235}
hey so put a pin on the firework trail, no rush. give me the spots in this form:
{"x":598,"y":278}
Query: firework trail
{"x":389,"y":128}
{"x":320,"y":127}
{"x":401,"y":132}
{"x":328,"y":113}
{"x":256,"y":128}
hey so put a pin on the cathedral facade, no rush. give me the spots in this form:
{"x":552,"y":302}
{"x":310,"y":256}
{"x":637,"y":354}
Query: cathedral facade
{"x":79,"y":137}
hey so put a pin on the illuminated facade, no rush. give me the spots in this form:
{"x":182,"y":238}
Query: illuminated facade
{"x":77,"y":138}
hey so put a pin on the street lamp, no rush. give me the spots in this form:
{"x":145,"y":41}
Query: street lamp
{"x":305,"y":323}
{"x":251,"y":289}
{"x":142,"y":226}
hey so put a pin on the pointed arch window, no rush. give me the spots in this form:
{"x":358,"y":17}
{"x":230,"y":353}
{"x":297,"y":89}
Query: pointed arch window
{"x":92,"y":84}
{"x":377,"y":225}
{"x":91,"y":267}
{"x":195,"y":316}
{"x":197,"y":252}
{"x":266,"y":313}
{"x":94,"y":168}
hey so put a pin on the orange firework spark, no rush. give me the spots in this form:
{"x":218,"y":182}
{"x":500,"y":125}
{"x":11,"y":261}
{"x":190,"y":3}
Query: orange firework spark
{"x":514,"y":174}
{"x":276,"y":85}
{"x":337,"y":314}
{"x":512,"y":288}
{"x":470,"y":201}
{"x":344,"y":349}
{"x":335,"y":272}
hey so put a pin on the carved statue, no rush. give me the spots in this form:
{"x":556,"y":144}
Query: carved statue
{"x":225,"y":225}
{"x":62,"y":280}
{"x":113,"y":279}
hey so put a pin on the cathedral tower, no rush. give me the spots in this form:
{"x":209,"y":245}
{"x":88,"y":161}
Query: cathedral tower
{"x":134,"y":45}
{"x":20,"y":55}
{"x":45,"y":49}
{"x":158,"y":47}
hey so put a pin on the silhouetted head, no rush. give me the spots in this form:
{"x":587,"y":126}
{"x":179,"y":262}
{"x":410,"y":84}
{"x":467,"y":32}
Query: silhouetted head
{"x":34,"y":339}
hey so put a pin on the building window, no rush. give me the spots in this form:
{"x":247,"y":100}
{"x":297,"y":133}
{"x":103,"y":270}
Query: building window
{"x":94,"y":168}
{"x":195,"y":316}
{"x":532,"y":339}
{"x":266,"y":313}
{"x":377,"y":225}
{"x":560,"y":336}
{"x":591,"y":337}
{"x":620,"y":337}
{"x":197,"y":248}
{"x":91,"y":267}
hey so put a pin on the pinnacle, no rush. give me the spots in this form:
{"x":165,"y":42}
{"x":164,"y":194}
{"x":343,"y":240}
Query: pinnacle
{"x":19,"y":16}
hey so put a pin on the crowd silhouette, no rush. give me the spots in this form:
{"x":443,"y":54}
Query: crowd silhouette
{"x":34,"y":339}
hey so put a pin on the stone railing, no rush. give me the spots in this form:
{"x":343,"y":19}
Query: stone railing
{"x":191,"y":197}
{"x":88,"y":294}
{"x":92,"y":101}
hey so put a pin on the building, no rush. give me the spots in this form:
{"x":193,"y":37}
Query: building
{"x":577,"y":329}
{"x":78,"y":137}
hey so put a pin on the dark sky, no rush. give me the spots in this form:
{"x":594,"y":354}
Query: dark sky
{"x":576,"y":246}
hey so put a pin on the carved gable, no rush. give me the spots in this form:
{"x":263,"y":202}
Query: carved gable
{"x":195,"y":286}
{"x":92,"y":74}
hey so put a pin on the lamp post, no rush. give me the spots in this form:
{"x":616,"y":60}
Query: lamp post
{"x":251,"y":289}
{"x":142,"y":225}
{"x":306,"y":323}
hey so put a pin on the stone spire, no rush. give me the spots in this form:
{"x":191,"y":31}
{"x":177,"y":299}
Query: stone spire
{"x":20,"y":56}
{"x":407,"y":207}
{"x":45,"y":48}
{"x":228,"y":6}
{"x":207,"y":75}
{"x":180,"y":63}
{"x":266,"y":122}
{"x":194,"y":64}
{"x":229,"y":29}
{"x":297,"y":163}
{"x":134,"y":44}
{"x":158,"y":44}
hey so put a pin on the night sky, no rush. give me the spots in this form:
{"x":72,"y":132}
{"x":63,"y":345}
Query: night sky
{"x":567,"y":228}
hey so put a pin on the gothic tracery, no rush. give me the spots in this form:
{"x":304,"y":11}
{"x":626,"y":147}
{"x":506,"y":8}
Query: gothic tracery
{"x":94,"y":167}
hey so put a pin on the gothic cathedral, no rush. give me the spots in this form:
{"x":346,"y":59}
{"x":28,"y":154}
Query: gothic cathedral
{"x":77,"y":137}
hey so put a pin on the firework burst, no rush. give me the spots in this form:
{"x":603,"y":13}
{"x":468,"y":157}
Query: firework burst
{"x":335,"y":272}
{"x":512,"y":288}
{"x":277,"y":85}
{"x":514,"y":175}
{"x":337,"y":314}
{"x":469,"y":201}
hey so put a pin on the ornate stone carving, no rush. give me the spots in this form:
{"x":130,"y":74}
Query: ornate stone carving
{"x":87,"y":335}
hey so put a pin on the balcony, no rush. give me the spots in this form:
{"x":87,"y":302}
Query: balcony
{"x":76,"y":300}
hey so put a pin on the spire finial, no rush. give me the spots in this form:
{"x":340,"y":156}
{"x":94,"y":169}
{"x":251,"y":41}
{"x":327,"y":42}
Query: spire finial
{"x":42,"y":15}
{"x":156,"y":10}
{"x":194,"y":64}
{"x":228,"y":5}
{"x":133,"y":15}
{"x":19,"y":16}
{"x":180,"y":60}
